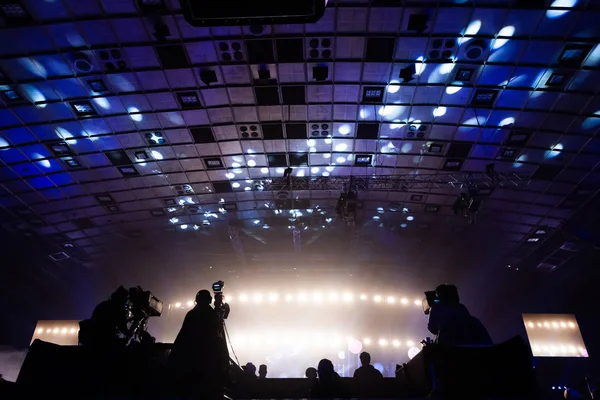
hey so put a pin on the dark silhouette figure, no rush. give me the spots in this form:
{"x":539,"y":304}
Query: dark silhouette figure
{"x":366,"y":377}
{"x":311,"y":373}
{"x":328,"y":384}
{"x":262,"y":372}
{"x":198,"y":359}
{"x":108,"y":320}
{"x":249,"y":370}
{"x":452,"y":323}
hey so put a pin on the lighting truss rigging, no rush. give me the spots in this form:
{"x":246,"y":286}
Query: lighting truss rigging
{"x":399,"y":182}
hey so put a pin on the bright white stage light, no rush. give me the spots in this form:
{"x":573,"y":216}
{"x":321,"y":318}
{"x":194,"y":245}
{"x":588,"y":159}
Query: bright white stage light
{"x":391,"y":299}
{"x":177,"y":305}
{"x":243,"y":298}
{"x":190,"y":303}
{"x":363,"y":297}
{"x":377,"y":299}
{"x":418,"y":302}
{"x":383,"y":342}
{"x":410,"y":343}
{"x":273,"y":297}
{"x":367,"y":341}
{"x":302,"y":297}
{"x":289,"y":297}
{"x":396,"y":343}
{"x":348,"y":297}
{"x":257,"y":298}
{"x":404,"y":301}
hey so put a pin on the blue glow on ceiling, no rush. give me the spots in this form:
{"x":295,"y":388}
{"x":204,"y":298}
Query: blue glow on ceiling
{"x":560,"y":4}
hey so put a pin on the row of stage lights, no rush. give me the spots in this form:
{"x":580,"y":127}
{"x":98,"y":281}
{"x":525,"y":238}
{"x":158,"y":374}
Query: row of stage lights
{"x":316,"y":341}
{"x":315,"y":298}
{"x":57,"y":331}
{"x":551,"y":325}
{"x":553,"y":349}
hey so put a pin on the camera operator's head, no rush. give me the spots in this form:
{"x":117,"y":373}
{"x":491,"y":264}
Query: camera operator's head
{"x":448,"y":294}
{"x":120,"y":295}
{"x":203,"y":298}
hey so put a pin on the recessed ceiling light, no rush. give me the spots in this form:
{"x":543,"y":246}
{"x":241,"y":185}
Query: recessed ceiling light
{"x":556,"y":80}
{"x":464,"y":74}
{"x":83,"y":108}
{"x":71,"y":162}
{"x":97,"y":85}
{"x":188,"y":99}
{"x":12,"y":95}
{"x":104,"y":198}
{"x":373,"y":94}
{"x":484,"y":97}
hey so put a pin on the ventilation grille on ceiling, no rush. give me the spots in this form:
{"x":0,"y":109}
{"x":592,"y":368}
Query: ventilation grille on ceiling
{"x":319,"y":130}
{"x":112,"y":59}
{"x":320,"y":48}
{"x":475,"y":50}
{"x":231,"y":51}
{"x":249,"y":132}
{"x":441,"y":49}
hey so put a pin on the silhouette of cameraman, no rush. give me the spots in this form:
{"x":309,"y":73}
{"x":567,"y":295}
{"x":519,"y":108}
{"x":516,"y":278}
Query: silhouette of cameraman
{"x":108,"y":321}
{"x":452,"y":323}
{"x":198,"y":358}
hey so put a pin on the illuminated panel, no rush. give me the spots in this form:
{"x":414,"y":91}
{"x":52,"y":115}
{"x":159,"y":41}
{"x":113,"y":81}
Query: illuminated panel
{"x":554,"y":335}
{"x":58,"y":332}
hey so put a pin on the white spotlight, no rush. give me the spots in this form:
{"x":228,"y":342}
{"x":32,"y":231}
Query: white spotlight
{"x":383,"y":342}
{"x":348,"y":297}
{"x":363,"y":297}
{"x":257,"y":298}
{"x":418,"y":302}
{"x":396,"y":343}
{"x":391,"y":300}
{"x":367,"y":341}
{"x":273,"y":297}
{"x":190,"y":303}
{"x":177,"y":305}
{"x":404,"y":301}
{"x":377,"y":299}
{"x":243,"y":298}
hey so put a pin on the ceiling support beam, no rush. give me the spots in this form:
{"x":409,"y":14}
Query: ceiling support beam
{"x":399,"y":182}
{"x":297,"y":240}
{"x":236,"y":242}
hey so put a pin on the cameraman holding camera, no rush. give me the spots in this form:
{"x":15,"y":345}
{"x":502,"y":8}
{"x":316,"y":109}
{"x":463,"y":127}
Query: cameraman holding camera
{"x":197,"y":359}
{"x":452,"y":323}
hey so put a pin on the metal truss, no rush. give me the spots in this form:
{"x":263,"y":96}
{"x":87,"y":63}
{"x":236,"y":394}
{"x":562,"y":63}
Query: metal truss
{"x":236,"y":242}
{"x":398,"y":182}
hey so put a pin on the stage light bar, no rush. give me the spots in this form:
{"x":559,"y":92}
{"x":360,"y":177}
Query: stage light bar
{"x":307,"y":298}
{"x":315,"y":340}
{"x":58,"y":332}
{"x":554,"y":335}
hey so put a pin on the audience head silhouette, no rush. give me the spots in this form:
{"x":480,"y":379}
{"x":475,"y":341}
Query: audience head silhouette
{"x":203,"y":298}
{"x":262,"y":371}
{"x":325,"y":369}
{"x":311,"y":373}
{"x":365,"y":358}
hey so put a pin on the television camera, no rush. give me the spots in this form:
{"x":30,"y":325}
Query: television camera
{"x":141,"y":306}
{"x":124,"y":323}
{"x":221,"y":307}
